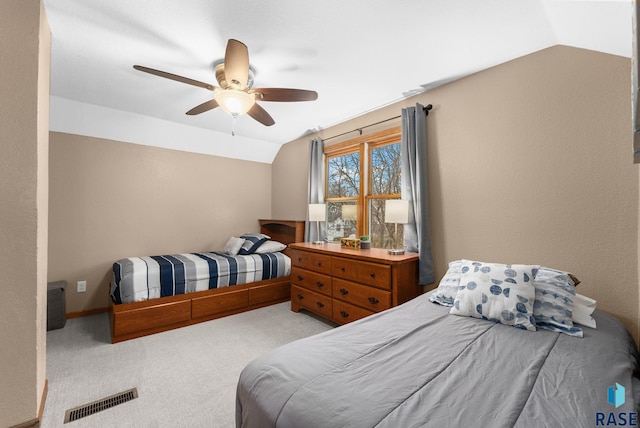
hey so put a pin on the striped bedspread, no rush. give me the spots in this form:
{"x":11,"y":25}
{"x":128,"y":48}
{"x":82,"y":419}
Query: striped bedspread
{"x":142,"y":278}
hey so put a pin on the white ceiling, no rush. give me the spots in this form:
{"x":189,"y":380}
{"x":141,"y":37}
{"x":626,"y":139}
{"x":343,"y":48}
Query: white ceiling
{"x":358,"y":55}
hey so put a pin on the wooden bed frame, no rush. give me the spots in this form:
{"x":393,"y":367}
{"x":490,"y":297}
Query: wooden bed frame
{"x":131,"y":320}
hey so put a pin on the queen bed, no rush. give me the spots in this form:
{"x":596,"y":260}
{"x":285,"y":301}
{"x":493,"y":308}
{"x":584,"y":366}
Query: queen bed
{"x":150,"y":294}
{"x":419,"y":364}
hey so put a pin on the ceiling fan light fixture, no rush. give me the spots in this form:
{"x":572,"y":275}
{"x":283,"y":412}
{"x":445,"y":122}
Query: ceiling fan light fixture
{"x":235,"y":102}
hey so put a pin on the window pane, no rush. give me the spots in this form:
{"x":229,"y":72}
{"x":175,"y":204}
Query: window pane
{"x":343,"y":176}
{"x":341,"y":220}
{"x":383,"y":234}
{"x":385,"y":169}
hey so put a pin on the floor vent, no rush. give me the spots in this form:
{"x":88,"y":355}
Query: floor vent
{"x":99,"y":405}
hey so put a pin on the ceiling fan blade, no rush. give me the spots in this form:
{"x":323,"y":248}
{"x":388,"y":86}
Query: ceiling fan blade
{"x":175,"y":77}
{"x":205,"y":106}
{"x":261,"y":115}
{"x":236,"y":64}
{"x":285,"y":94}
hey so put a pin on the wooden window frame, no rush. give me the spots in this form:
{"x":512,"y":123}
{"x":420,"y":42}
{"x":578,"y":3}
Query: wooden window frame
{"x":364,"y":145}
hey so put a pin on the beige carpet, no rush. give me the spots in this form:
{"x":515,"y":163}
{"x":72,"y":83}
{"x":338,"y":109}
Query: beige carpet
{"x":185,"y":377}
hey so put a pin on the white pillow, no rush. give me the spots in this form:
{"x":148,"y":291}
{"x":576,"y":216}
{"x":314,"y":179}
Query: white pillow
{"x":233,"y":245}
{"x":446,"y":292}
{"x":497,"y":292}
{"x":270,"y":247}
{"x":583,"y":307}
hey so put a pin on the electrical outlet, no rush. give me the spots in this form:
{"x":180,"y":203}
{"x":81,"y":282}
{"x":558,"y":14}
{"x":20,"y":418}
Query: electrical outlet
{"x":82,"y":286}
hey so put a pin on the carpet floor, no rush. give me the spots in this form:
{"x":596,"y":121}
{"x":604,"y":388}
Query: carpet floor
{"x":185,"y":377}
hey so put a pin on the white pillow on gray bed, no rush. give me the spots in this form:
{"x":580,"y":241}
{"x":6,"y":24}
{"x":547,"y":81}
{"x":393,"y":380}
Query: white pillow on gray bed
{"x":582,"y":309}
{"x":270,"y":247}
{"x":233,"y":245}
{"x":502,"y":293}
{"x":556,"y":306}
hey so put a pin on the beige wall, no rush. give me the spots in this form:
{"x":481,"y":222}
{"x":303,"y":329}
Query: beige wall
{"x":530,"y":162}
{"x":110,"y":200}
{"x":24,"y":120}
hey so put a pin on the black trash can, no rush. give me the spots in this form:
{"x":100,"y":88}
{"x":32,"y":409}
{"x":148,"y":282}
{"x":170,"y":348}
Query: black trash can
{"x":56,"y":309}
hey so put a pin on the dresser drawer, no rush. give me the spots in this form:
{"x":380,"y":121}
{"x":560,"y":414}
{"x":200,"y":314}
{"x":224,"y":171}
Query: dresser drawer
{"x":312,"y":261}
{"x":315,"y":302}
{"x":366,"y":297}
{"x":344,"y":312}
{"x":378,"y":275}
{"x":312,"y":280}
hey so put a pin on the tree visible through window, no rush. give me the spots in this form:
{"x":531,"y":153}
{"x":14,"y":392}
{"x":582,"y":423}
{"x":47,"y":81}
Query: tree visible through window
{"x":343,"y":188}
{"x":361,"y":175}
{"x":385,"y":184}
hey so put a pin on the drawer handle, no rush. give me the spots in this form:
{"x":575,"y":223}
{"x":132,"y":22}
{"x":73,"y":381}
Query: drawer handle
{"x":319,"y":263}
{"x":344,"y":291}
{"x":320,"y":304}
{"x":320,"y":283}
{"x":300,"y":296}
{"x":373,"y":300}
{"x":299,"y":259}
{"x":300,"y":278}
{"x":344,"y":314}
{"x":372,"y":274}
{"x":342,"y":268}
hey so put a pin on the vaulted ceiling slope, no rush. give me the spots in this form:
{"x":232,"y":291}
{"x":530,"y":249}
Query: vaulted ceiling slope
{"x":358,"y":55}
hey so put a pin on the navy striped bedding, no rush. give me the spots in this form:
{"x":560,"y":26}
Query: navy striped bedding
{"x":137,"y":279}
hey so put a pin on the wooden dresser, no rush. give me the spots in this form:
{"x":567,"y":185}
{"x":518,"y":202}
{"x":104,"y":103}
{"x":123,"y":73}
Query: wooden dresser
{"x":344,"y":284}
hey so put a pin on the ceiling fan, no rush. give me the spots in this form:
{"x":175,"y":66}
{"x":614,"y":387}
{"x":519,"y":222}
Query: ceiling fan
{"x":235,"y":95}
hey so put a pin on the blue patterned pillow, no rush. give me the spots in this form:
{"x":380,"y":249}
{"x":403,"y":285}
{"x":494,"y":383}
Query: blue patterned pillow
{"x":251,"y":242}
{"x":553,"y":308}
{"x":497,"y":292}
{"x":445,"y":294}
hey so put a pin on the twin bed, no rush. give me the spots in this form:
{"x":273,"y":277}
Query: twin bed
{"x":158,"y":293}
{"x":419,"y":365}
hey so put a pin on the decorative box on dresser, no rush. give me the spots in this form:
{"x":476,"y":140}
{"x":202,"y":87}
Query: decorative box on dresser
{"x":344,"y":284}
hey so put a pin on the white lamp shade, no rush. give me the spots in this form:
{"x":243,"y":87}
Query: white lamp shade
{"x":235,"y":102}
{"x":317,"y":212}
{"x":349,"y":212}
{"x":396,"y":211}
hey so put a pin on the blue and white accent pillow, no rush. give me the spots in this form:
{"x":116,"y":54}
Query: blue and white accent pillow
{"x":251,"y":242}
{"x":497,"y":292}
{"x":446,"y":292}
{"x":553,"y":307}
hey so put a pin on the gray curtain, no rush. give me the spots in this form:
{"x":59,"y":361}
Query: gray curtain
{"x":415,"y":188}
{"x":316,"y":189}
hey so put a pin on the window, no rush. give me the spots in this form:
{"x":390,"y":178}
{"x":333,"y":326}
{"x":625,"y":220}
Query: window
{"x":384,"y":172}
{"x":361,"y":174}
{"x":343,"y":194}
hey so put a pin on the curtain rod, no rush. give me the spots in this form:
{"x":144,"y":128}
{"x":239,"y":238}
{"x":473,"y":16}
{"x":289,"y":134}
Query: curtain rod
{"x":425,"y":109}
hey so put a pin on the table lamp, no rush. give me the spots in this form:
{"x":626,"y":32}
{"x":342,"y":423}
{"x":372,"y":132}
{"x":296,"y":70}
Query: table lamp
{"x":317,"y":213}
{"x":396,"y":211}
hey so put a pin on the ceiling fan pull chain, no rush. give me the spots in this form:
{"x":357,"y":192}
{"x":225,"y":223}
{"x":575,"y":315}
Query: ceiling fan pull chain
{"x":233,"y":128}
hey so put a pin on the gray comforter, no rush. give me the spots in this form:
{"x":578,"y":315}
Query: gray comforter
{"x":416,"y":365}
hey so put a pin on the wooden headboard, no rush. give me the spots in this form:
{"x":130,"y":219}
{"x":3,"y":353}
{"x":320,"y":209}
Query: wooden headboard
{"x":285,"y":231}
